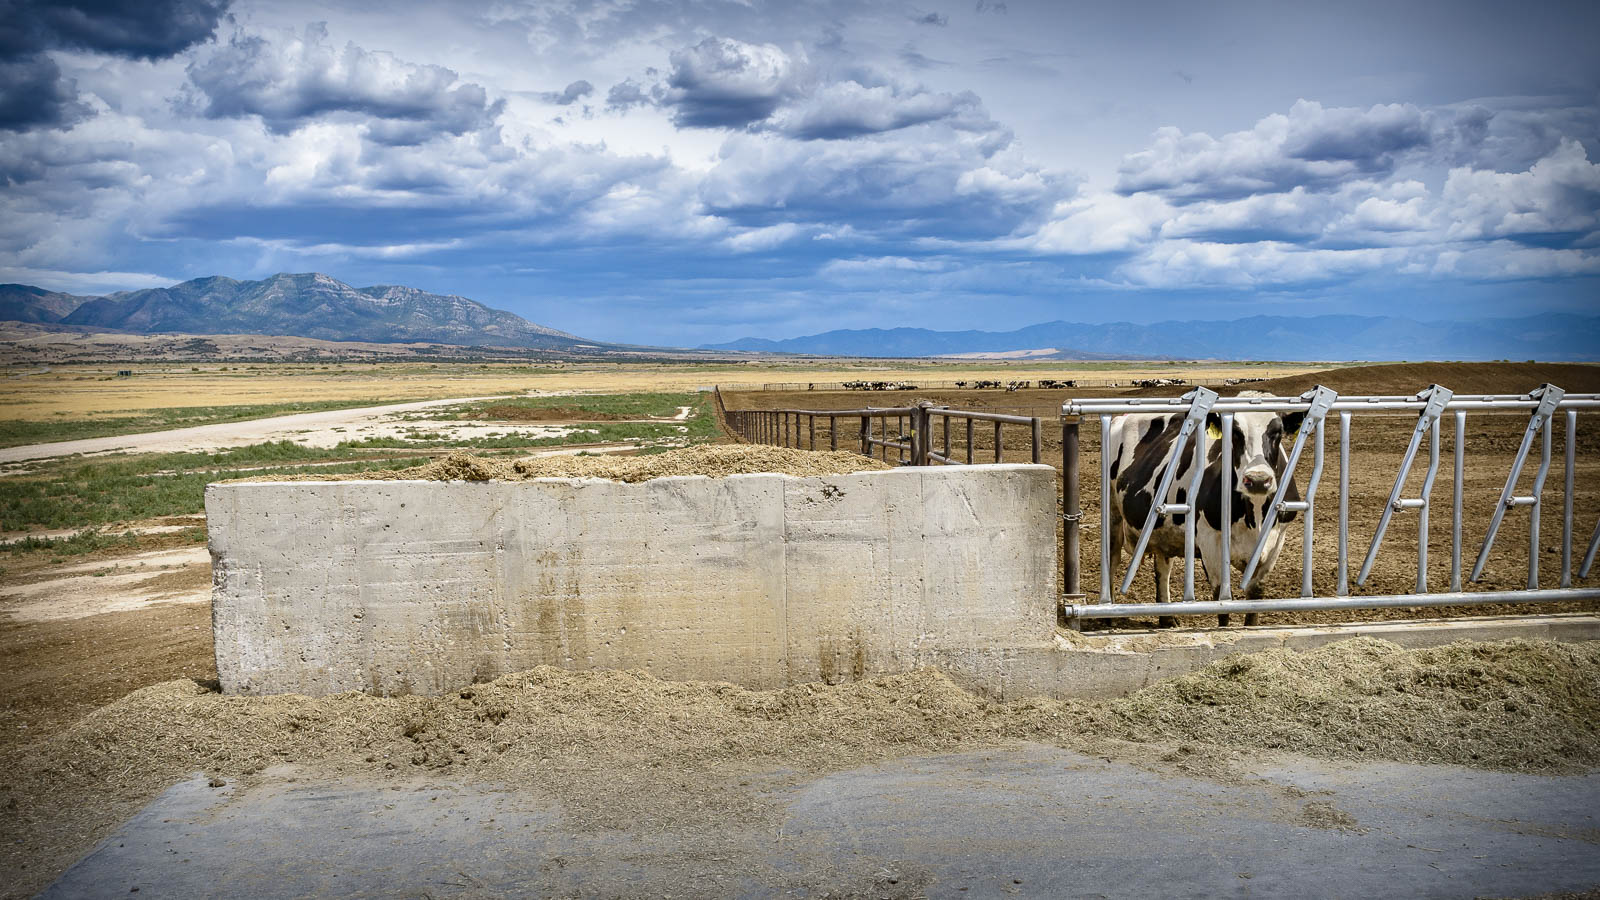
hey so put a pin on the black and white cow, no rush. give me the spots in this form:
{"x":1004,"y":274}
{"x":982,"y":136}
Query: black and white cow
{"x":1143,"y":446}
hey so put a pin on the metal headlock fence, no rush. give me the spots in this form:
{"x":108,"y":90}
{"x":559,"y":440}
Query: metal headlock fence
{"x":1542,"y":406}
{"x":923,"y":434}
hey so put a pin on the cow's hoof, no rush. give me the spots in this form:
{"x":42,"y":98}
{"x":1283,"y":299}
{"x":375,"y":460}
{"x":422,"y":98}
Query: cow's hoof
{"x":1222,"y":620}
{"x":1251,"y":619}
{"x":1166,"y":622}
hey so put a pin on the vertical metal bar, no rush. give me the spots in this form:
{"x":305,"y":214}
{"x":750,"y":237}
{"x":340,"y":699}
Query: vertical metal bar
{"x":1105,"y":510}
{"x":1225,"y":463}
{"x":1538,"y":503}
{"x":1194,"y":506}
{"x":1422,"y":512}
{"x":1311,"y":513}
{"x":812,"y":421}
{"x":833,"y":432}
{"x":997,"y":443}
{"x":1566,"y":498}
{"x":866,"y":436}
{"x":1456,"y":499}
{"x":969,"y":442}
{"x":1343,"y":587}
{"x":946,"y":437}
{"x":1038,"y":439}
{"x":1071,"y":513}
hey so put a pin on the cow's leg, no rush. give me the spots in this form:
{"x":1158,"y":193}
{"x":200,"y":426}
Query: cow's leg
{"x":1269,"y":559}
{"x":1163,"y":566}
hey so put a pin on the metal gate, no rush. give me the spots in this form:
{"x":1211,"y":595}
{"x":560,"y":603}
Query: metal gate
{"x":1433,"y":407}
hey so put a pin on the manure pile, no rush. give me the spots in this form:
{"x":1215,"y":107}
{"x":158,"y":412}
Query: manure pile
{"x":623,"y":747}
{"x":715,"y":460}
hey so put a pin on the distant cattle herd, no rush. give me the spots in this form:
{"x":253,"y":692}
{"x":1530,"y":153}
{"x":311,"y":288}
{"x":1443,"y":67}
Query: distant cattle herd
{"x":1044,"y":383}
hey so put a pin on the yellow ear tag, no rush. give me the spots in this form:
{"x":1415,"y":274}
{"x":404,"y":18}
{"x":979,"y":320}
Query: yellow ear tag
{"x":1213,"y":431}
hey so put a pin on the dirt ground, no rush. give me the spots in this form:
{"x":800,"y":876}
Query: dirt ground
{"x":1377,"y":445}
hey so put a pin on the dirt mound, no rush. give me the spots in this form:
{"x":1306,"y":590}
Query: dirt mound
{"x":716,"y":460}
{"x":1461,"y":377}
{"x":619,"y":747}
{"x":509,"y":413}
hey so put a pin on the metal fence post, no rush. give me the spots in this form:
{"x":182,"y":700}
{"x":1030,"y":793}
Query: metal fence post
{"x":866,"y":437}
{"x":833,"y":432}
{"x":1071,"y":512}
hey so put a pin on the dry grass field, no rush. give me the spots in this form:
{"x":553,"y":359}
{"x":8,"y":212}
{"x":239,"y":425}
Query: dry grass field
{"x":97,"y":390}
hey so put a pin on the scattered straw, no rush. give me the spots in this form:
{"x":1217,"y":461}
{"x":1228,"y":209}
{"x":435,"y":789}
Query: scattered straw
{"x":715,"y":460}
{"x":624,"y":749}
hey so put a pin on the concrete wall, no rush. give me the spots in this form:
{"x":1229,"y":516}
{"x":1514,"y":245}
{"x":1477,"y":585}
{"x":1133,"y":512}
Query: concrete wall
{"x":764,"y":580}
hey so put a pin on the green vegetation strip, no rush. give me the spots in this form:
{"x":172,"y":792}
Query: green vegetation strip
{"x":19,"y":432}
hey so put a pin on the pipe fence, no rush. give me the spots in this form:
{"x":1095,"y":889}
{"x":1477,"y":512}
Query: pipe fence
{"x":913,"y":440}
{"x":1431,"y":407}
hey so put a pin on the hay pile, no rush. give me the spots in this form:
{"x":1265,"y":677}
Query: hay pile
{"x":715,"y":460}
{"x":624,"y":749}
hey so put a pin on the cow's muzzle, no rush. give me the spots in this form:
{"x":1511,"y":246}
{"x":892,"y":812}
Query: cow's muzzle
{"x":1256,"y":482}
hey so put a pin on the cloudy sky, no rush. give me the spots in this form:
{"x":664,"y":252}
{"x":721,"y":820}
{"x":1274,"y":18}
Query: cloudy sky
{"x":686,"y":172}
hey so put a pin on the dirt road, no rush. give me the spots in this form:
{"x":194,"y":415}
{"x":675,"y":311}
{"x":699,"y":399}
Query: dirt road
{"x":316,"y":429}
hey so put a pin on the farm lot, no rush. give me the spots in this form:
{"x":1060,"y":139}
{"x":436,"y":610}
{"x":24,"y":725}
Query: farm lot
{"x":628,"y":753}
{"x":1377,"y":444}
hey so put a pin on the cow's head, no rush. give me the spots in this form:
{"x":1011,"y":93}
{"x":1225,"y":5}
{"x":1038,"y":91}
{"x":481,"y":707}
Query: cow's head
{"x":1259,"y":457}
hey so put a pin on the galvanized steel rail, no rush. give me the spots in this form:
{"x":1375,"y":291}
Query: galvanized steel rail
{"x":1542,"y":405}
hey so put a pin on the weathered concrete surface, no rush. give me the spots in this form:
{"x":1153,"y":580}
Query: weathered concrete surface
{"x":763,"y":580}
{"x":1029,"y":821}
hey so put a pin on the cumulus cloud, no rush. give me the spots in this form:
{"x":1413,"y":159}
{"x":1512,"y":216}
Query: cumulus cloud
{"x":568,"y":95}
{"x":724,"y":83}
{"x":846,"y":109}
{"x":303,"y":78}
{"x":1557,"y":198}
{"x":1313,"y":147}
{"x":945,"y":186}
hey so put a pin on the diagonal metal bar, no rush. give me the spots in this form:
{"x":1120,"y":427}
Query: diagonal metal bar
{"x":1549,"y":397}
{"x":1588,"y":556}
{"x":1435,"y":398}
{"x":1201,"y":400}
{"x":1321,"y":402}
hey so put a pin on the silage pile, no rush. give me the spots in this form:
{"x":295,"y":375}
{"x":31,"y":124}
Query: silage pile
{"x":623,"y":747}
{"x":715,"y":460}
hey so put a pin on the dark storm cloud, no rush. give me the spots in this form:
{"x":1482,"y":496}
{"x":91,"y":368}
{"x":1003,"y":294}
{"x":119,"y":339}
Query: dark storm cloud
{"x":294,"y":81}
{"x":137,"y":29}
{"x":937,"y":19}
{"x":33,"y":94}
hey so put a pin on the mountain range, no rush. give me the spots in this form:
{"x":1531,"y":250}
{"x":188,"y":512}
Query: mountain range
{"x":308,"y":305}
{"x":1310,"y":338}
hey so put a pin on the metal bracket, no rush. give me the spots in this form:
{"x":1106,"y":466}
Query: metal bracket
{"x":1321,"y":403}
{"x":1200,"y":402}
{"x":1549,"y":398}
{"x":1437,"y":398}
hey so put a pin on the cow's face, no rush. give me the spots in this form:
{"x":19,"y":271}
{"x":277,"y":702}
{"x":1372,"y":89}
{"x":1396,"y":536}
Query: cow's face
{"x":1258,"y":452}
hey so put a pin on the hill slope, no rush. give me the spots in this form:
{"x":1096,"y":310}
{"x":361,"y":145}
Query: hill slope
{"x":307,"y":305}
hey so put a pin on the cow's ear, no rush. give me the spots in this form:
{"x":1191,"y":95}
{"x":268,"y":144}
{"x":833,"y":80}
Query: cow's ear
{"x":1214,"y":426}
{"x":1291,"y":424}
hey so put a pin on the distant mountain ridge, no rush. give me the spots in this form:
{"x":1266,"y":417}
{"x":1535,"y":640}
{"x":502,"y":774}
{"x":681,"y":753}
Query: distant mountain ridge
{"x":309,"y":305}
{"x":1554,"y":337}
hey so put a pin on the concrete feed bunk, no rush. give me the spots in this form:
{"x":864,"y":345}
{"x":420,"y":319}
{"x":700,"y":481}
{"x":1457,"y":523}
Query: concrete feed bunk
{"x":764,"y":580}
